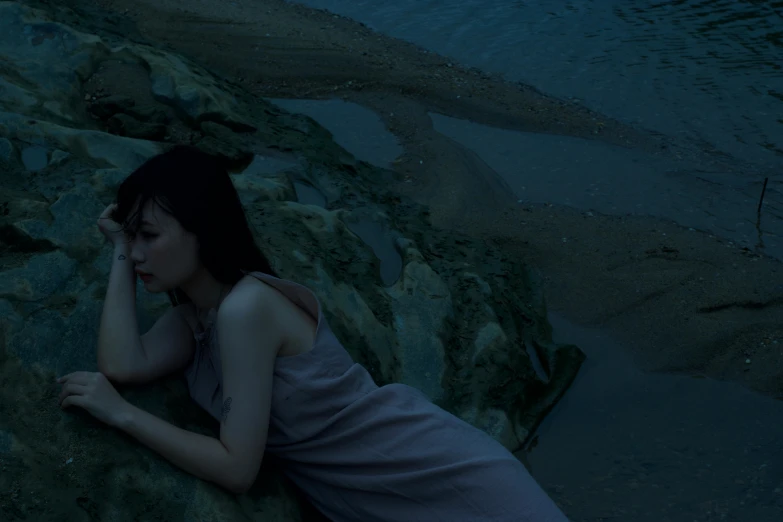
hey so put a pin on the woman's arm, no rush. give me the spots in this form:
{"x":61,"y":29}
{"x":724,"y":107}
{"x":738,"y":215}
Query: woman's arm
{"x":203,"y":456}
{"x":249,"y":337}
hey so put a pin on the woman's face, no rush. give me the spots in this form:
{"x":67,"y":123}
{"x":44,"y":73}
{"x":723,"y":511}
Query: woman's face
{"x":164,"y":254}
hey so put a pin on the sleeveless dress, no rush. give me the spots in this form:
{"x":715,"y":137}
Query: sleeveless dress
{"x":364,"y":453}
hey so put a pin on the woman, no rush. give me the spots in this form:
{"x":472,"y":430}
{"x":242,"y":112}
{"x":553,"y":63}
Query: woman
{"x":259,"y":356}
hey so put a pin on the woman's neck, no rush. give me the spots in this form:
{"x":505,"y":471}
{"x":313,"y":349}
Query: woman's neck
{"x":205,"y":291}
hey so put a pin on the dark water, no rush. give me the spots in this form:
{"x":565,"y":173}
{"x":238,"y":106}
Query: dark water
{"x":710,"y":71}
{"x":708,"y":74}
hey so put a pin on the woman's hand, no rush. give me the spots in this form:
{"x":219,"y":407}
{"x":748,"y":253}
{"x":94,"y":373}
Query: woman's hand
{"x":93,"y":392}
{"x":111,"y":230}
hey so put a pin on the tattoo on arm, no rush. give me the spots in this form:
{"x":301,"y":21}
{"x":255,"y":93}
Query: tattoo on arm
{"x":226,"y":408}
{"x":122,"y":257}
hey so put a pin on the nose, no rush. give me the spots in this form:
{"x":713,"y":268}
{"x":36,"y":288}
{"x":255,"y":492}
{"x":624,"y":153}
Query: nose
{"x":136,"y":254}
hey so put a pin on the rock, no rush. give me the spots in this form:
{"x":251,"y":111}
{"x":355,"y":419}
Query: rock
{"x":58,"y":157}
{"x":196,"y":95}
{"x":149,"y":114}
{"x":6,"y":151}
{"x":122,"y":110}
{"x":56,"y":58}
{"x":41,"y":277}
{"x":129,"y":126}
{"x":6,"y":441}
{"x":440,"y":311}
{"x":105,"y":108}
{"x":74,"y":214}
{"x":221,"y":141}
{"x":106,"y":150}
{"x":421,"y":301}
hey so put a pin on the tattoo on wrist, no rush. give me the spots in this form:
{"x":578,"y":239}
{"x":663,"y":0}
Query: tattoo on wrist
{"x":226,"y":408}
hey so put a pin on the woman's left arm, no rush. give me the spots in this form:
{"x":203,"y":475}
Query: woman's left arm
{"x":249,"y":342}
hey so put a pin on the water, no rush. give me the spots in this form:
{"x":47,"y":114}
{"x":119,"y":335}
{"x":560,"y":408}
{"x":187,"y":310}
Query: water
{"x":35,"y":157}
{"x":709,"y":71}
{"x":357,"y":129}
{"x":372,"y":233}
{"x":581,"y":173}
{"x":591,"y":175}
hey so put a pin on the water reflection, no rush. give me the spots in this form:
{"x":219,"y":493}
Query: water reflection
{"x":355,"y":128}
{"x":35,"y":157}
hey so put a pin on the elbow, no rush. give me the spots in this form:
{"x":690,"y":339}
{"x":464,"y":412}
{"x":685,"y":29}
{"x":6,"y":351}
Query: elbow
{"x":239,"y":479}
{"x":103,"y":366}
{"x":113,"y":374}
{"x":238,"y":486}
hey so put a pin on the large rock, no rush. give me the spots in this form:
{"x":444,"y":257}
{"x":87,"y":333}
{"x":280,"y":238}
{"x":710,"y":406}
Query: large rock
{"x":444,"y":313}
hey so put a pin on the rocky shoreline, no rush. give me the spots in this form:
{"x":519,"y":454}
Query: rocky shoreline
{"x":442,"y":243}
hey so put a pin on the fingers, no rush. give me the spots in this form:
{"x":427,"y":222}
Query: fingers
{"x":108,"y":211}
{"x":77,"y":377}
{"x":72,"y":390}
{"x":74,"y":400}
{"x":107,"y":218}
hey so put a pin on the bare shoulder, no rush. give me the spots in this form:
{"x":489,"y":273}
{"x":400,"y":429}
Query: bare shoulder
{"x":254,"y":302}
{"x":249,"y":298}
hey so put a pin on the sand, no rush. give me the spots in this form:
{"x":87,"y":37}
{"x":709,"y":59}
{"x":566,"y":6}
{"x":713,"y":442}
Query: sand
{"x":680,"y":300}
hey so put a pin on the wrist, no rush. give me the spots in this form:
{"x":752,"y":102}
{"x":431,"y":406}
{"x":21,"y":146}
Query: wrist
{"x":124,"y":416}
{"x":121,"y":249}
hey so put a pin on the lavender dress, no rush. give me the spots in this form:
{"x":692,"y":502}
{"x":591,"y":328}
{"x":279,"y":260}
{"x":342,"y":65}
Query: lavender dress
{"x":363,"y":453}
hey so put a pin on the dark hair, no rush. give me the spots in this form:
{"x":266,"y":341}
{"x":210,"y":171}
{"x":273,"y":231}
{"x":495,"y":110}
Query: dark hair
{"x":196,"y":189}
